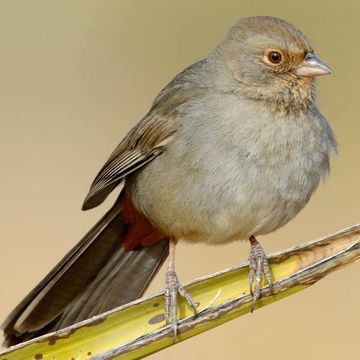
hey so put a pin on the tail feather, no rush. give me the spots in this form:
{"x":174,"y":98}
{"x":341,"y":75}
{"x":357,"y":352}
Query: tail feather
{"x":124,"y":278}
{"x":97,"y":275}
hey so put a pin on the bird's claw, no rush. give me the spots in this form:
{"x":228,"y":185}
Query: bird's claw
{"x":172,"y":288}
{"x":258,"y":265}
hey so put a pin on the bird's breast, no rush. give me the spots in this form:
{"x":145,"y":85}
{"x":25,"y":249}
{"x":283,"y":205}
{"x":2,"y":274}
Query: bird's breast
{"x":230,"y":177}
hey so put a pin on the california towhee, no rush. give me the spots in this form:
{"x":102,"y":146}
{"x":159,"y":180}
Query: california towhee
{"x":231,"y":149}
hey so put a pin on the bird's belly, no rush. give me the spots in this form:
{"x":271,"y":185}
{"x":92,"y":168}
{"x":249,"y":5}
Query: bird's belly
{"x":217,"y":202}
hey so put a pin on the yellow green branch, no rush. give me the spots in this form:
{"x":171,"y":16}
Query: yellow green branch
{"x":138,"y":329}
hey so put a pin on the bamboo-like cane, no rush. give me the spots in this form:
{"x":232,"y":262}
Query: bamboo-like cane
{"x":138,"y":329}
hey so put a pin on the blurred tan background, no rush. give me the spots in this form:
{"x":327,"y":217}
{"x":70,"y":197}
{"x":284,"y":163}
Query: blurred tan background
{"x":76,"y":75}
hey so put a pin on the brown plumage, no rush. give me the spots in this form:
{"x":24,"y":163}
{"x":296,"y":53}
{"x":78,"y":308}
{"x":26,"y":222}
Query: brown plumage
{"x":231,"y":149}
{"x":140,"y":232}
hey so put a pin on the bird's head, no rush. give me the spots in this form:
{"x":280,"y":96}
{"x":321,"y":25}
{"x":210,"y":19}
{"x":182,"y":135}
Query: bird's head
{"x":272,"y":60}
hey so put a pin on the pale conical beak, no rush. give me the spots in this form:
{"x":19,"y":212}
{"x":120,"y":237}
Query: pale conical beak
{"x":312,"y":66}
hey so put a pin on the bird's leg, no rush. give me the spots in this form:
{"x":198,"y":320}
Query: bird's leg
{"x":258,"y":265}
{"x":172,"y":288}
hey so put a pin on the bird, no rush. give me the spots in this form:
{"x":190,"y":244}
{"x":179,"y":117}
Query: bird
{"x":231,"y":149}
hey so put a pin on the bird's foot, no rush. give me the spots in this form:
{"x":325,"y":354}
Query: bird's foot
{"x":258,"y":265}
{"x":172,"y":288}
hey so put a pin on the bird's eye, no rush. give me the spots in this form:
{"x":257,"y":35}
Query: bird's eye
{"x":274,"y":57}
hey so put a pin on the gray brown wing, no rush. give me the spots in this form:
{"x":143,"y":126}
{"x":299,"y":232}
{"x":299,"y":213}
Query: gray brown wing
{"x":147,"y":139}
{"x":113,"y":173}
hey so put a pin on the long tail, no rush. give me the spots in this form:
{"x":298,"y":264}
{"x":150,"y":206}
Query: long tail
{"x":97,"y":275}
